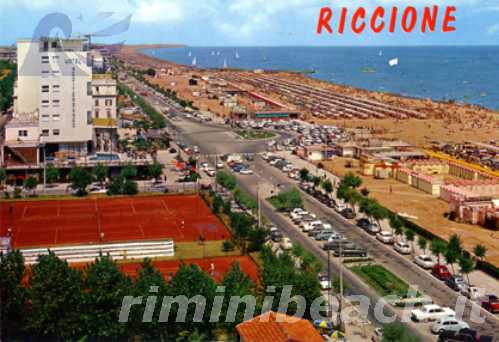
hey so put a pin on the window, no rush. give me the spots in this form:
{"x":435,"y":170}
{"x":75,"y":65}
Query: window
{"x":45,"y":73}
{"x":56,"y":102}
{"x":45,"y":117}
{"x":108,"y":114}
{"x":97,"y":102}
{"x":22,"y":133}
{"x":54,"y":45}
{"x":45,"y":59}
{"x":109,"y":102}
{"x":56,"y":88}
{"x":55,"y":132}
{"x":45,"y":88}
{"x":45,"y":132}
{"x":89,"y":117}
{"x":56,"y":72}
{"x":97,"y":113}
{"x":45,"y":103}
{"x":56,"y":117}
{"x":89,"y":88}
{"x":55,"y":58}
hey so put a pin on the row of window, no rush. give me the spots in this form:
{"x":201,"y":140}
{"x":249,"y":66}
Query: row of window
{"x":46,"y":132}
{"x":55,"y":88}
{"x":55,"y":117}
{"x":46,"y":59}
{"x":108,"y":113}
{"x":46,"y":73}
{"x":107,"y":102}
{"x":55,"y":103}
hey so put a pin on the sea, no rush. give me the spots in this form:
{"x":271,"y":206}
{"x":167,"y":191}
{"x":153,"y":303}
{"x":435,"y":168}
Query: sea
{"x":465,"y":74}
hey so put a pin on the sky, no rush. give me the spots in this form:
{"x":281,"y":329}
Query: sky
{"x":233,"y":22}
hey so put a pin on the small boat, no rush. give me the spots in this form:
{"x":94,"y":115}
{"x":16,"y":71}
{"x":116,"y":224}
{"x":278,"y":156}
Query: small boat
{"x":218,"y":53}
{"x":393,"y":62}
{"x":237,"y":55}
{"x":213,"y":53}
{"x":380,"y":53}
{"x":194,"y":61}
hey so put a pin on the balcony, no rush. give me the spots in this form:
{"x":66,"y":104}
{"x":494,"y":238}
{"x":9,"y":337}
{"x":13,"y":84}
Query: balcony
{"x":104,"y":123}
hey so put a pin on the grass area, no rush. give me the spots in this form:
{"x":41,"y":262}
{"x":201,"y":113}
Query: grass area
{"x":194,"y":250}
{"x":250,"y":134}
{"x":382,"y":280}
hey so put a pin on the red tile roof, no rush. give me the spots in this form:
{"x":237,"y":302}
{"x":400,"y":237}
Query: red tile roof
{"x":277,"y":327}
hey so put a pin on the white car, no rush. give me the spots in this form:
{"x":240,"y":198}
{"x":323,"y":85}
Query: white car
{"x":472,"y":292}
{"x":246,"y":172}
{"x":336,"y":237}
{"x":210,"y":172}
{"x":402,"y":247}
{"x":424,"y":261}
{"x":286,"y":244}
{"x":385,"y":236}
{"x":220,"y":165}
{"x":324,"y":282}
{"x":340,"y":207}
{"x":431,"y":312}
{"x":308,"y":226}
{"x":445,"y":324}
{"x":204,"y":166}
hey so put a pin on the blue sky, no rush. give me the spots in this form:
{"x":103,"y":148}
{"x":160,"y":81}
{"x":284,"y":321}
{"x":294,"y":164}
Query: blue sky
{"x":237,"y":22}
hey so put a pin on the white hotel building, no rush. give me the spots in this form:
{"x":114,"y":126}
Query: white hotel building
{"x":61,"y":109}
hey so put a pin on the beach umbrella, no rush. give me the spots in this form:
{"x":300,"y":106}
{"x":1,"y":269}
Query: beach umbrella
{"x":336,"y":334}
{"x":323,"y":324}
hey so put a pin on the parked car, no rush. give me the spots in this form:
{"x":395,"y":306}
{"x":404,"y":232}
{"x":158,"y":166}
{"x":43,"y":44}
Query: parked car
{"x":334,"y":245}
{"x":220,"y":165}
{"x":276,"y":235}
{"x":246,"y":172}
{"x":441,"y":272}
{"x":385,"y":236}
{"x":472,"y":292}
{"x":467,"y":335}
{"x":323,"y":236}
{"x":308,"y":226}
{"x":490,"y":303}
{"x":350,"y":252}
{"x":455,"y":282}
{"x":402,"y":247}
{"x":431,"y":312}
{"x":363,"y":223}
{"x":210,"y":172}
{"x":340,"y":207}
{"x":448,"y":324}
{"x":373,"y":229}
{"x":348,"y":213}
{"x":424,"y":261}
{"x":286,"y":244}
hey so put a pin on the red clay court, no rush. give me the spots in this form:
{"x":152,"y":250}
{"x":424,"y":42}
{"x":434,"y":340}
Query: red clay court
{"x":81,"y":221}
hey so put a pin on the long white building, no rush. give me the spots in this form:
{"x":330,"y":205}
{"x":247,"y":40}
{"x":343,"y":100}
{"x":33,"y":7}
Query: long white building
{"x":61,"y":110}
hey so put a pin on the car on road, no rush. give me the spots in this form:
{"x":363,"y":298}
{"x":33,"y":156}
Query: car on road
{"x":489,"y":302}
{"x":455,"y":282}
{"x":466,"y":335}
{"x":402,"y":247}
{"x":373,"y":229}
{"x":220,"y":165}
{"x":431,"y":312}
{"x":308,"y":226}
{"x":286,"y":244}
{"x":445,"y":324}
{"x":324,"y":281}
{"x":348,"y":213}
{"x":334,"y":245}
{"x":424,"y":261}
{"x":385,"y":236}
{"x":340,"y":207}
{"x":211,"y":172}
{"x":441,"y":272}
{"x":276,"y":235}
{"x":246,"y":172}
{"x":323,"y":236}
{"x":472,"y":292}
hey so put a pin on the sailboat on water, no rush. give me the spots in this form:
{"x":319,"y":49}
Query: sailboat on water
{"x":237,"y":55}
{"x":194,"y":61}
{"x":189,"y":54}
{"x":393,"y":62}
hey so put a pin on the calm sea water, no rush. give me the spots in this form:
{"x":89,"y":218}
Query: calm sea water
{"x":464,"y":74}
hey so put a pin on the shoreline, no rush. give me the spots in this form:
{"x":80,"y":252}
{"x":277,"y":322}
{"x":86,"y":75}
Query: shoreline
{"x":455,"y":121}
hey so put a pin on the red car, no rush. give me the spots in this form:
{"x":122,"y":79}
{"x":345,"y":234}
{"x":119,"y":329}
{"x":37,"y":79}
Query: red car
{"x":441,"y":272}
{"x":490,"y":303}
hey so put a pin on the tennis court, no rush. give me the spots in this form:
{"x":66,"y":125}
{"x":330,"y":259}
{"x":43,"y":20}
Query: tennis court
{"x":81,"y":221}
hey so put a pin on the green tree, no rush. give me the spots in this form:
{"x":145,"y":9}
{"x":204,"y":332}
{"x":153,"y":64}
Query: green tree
{"x":304,"y":175}
{"x":466,"y":266}
{"x":238,"y":284}
{"x":226,"y":180}
{"x":316,"y":181}
{"x":30,"y":184}
{"x":150,"y":282}
{"x":378,"y":212}
{"x":287,"y":200}
{"x":480,"y":251}
{"x":352,"y":181}
{"x":410,"y":236}
{"x":438,"y":248}
{"x":100,"y":172}
{"x":52,"y":174}
{"x":3,"y":175}
{"x":328,"y":187}
{"x":116,"y":186}
{"x":422,"y":243}
{"x":217,"y":203}
{"x":155,"y":170}
{"x":56,"y":294}
{"x":397,"y":332}
{"x":12,"y":295}
{"x":257,"y":237}
{"x":130,"y":187}
{"x":129,"y":172}
{"x":106,"y":286}
{"x":192,"y":282}
{"x":396,"y":224}
{"x":80,"y":179}
{"x":453,"y":251}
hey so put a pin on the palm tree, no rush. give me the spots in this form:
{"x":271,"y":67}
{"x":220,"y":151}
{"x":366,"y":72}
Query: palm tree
{"x":453,"y":252}
{"x":480,"y":251}
{"x":422,"y":243}
{"x":378,"y":212}
{"x":466,"y":265}
{"x":304,"y":175}
{"x":395,"y":223}
{"x":409,"y":235}
{"x":438,"y":248}
{"x":328,"y":187}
